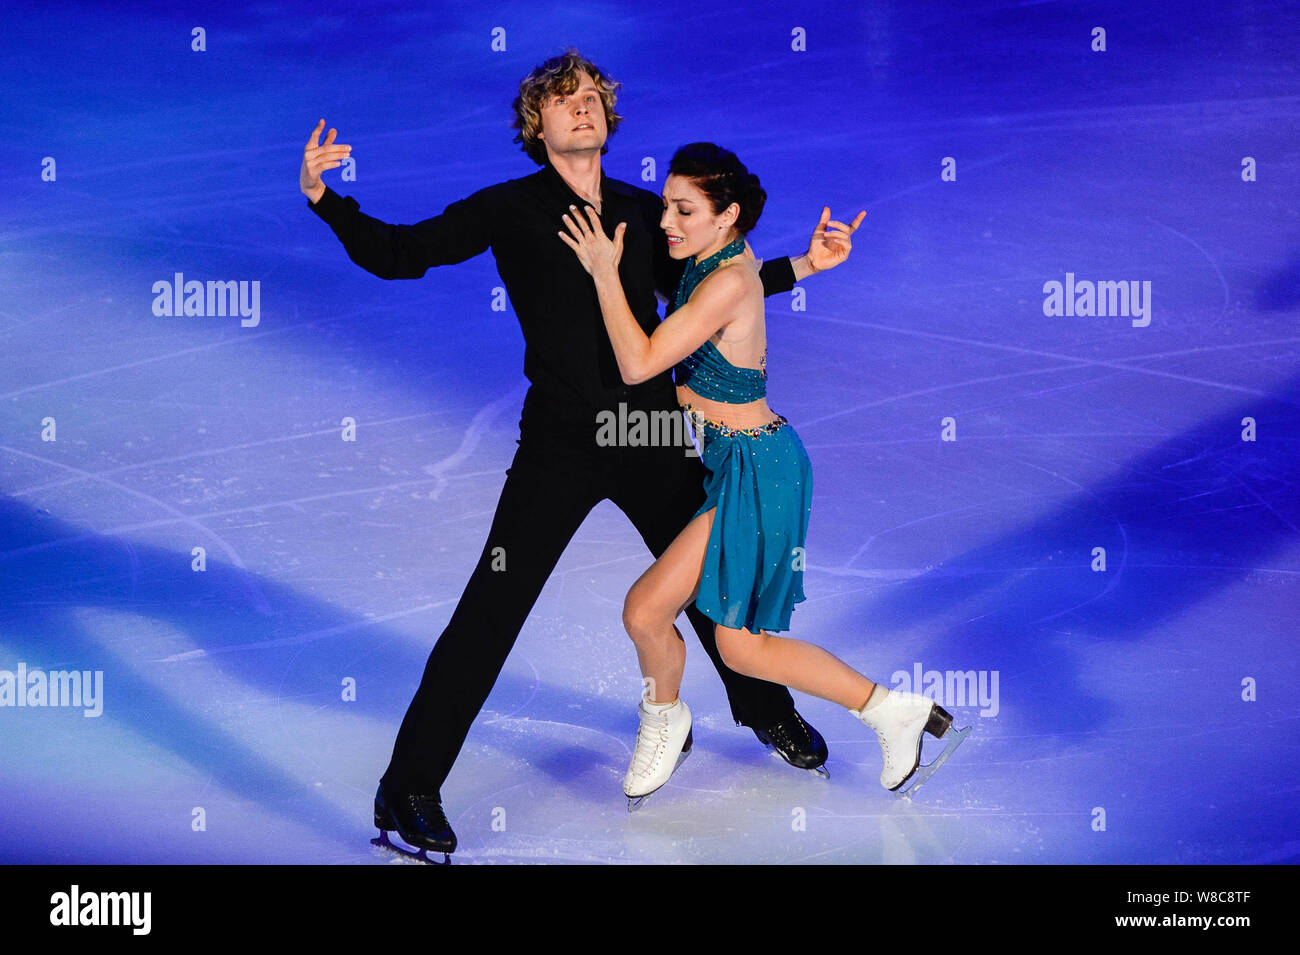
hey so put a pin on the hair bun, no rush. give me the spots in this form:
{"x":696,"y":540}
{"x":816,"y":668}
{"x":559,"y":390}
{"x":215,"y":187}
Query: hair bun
{"x":721,"y":176}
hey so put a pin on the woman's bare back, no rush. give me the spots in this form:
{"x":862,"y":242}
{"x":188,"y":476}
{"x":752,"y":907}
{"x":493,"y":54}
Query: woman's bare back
{"x":743,"y":342}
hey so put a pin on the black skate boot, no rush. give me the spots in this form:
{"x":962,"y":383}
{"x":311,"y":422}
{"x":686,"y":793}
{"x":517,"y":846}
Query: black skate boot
{"x":798,"y":743}
{"x":418,"y":819}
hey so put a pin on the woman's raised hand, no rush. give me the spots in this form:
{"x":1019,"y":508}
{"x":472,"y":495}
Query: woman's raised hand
{"x":829,"y":247}
{"x":318,"y":156}
{"x":596,"y":252}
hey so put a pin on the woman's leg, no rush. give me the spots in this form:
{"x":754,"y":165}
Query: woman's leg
{"x":655,"y":601}
{"x":796,"y":663}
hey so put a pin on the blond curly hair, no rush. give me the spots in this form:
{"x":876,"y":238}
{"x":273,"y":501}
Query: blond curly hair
{"x":558,"y":76}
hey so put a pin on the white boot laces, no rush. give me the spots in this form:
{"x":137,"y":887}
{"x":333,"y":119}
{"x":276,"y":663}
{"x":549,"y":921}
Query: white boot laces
{"x":651,"y":736}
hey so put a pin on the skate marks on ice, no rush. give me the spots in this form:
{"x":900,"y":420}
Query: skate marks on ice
{"x":1201,"y":490}
{"x":89,"y":580}
{"x":479,"y":425}
{"x":59,"y":583}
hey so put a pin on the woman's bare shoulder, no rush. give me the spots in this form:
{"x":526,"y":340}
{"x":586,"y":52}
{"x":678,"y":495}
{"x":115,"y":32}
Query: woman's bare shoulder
{"x":742,"y":270}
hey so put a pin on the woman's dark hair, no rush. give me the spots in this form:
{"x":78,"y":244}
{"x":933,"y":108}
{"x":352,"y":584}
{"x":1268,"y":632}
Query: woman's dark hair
{"x":722,"y":177}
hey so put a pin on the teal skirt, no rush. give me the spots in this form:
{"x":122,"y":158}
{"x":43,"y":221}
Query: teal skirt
{"x":760,"y":481}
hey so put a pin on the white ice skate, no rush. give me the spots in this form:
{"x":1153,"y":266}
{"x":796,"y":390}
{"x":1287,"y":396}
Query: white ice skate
{"x":899,"y":720}
{"x":662,"y":743}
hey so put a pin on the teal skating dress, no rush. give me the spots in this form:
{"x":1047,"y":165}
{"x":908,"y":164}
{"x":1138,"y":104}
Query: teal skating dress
{"x":760,"y":481}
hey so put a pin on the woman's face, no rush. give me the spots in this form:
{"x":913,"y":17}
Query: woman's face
{"x":692,"y":227}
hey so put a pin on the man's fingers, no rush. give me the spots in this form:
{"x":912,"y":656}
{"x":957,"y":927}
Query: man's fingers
{"x":858,"y":221}
{"x":324,"y":163}
{"x":324,"y":155}
{"x":314,"y":142}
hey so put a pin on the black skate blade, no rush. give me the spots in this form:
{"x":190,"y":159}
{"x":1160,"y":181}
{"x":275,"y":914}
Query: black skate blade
{"x":419,"y":855}
{"x":772,"y":750}
{"x":921,"y":775}
{"x":821,"y":770}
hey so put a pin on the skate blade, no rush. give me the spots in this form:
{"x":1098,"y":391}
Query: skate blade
{"x":633,"y":804}
{"x":924,"y":772}
{"x":821,"y":770}
{"x":420,"y":855}
{"x":636,"y":802}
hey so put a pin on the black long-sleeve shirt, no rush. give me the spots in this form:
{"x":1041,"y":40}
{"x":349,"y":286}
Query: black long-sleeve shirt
{"x":567,"y":353}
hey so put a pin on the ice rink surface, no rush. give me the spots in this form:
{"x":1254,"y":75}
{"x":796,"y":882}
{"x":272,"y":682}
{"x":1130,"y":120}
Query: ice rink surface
{"x":1143,"y":713}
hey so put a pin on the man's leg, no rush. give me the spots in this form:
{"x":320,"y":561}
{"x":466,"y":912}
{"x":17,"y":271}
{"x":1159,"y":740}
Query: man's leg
{"x":545,"y":499}
{"x":660,"y":489}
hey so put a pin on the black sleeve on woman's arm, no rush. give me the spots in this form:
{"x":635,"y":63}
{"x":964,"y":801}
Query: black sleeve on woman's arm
{"x":777,"y":275}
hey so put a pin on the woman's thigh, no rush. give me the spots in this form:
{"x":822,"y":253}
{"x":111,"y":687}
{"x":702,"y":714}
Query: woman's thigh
{"x":671,"y":582}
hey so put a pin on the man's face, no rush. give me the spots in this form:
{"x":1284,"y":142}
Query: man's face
{"x":574,"y":123}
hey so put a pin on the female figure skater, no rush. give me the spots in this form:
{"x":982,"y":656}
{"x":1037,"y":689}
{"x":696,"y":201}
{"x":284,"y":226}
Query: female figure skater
{"x":741,"y":556}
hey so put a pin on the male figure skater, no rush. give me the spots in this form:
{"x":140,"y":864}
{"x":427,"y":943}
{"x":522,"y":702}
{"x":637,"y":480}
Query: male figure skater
{"x":564,"y":114}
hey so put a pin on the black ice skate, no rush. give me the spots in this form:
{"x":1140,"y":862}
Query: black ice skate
{"x":418,"y":819}
{"x":798,"y":743}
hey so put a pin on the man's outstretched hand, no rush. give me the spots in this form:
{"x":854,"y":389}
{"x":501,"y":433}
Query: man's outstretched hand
{"x":830,"y":243}
{"x":318,"y":156}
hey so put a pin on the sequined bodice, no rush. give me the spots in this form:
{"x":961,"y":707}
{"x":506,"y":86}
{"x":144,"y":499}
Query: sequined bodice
{"x":706,"y":371}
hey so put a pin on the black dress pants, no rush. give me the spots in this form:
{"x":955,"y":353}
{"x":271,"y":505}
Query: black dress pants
{"x":558,"y":475}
